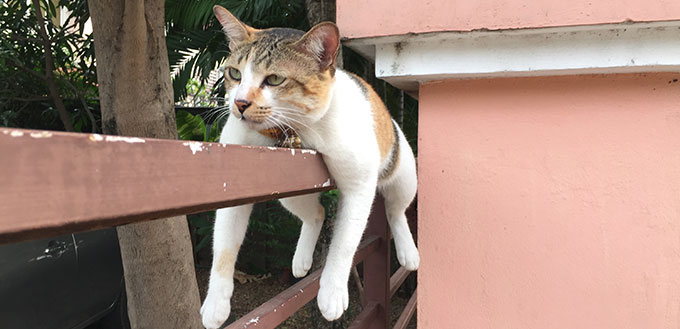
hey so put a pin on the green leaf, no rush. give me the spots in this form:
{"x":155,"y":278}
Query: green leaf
{"x":190,"y":127}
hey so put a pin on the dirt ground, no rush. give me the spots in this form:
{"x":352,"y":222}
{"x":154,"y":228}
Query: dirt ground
{"x":250,"y":295}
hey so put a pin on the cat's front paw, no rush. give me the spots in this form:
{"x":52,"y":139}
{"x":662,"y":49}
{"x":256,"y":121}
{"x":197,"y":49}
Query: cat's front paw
{"x":409,"y":258}
{"x":333,"y":300}
{"x":215,"y":310}
{"x":301,"y":264}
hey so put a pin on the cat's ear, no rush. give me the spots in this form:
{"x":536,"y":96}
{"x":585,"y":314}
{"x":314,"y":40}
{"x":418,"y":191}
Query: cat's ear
{"x":322,"y":42}
{"x":236,"y":31}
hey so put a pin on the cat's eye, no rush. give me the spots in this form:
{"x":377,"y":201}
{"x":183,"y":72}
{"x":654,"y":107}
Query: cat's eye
{"x":274,"y":80}
{"x":234,"y":74}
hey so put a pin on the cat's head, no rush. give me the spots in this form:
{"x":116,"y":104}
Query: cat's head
{"x":279,"y":75}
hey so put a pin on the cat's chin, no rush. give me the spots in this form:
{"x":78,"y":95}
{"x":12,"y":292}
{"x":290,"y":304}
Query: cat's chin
{"x":257,"y":125}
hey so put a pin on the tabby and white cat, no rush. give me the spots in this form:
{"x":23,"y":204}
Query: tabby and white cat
{"x":282,"y":79}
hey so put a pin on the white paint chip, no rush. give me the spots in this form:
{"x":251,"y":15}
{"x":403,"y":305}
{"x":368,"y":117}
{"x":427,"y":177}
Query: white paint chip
{"x":131,"y":140}
{"x":96,"y":138}
{"x":17,"y":133}
{"x":42,"y":134}
{"x":327,"y":183}
{"x":194,"y":146}
{"x":292,"y":151}
{"x":253,"y":320}
{"x":308,"y":151}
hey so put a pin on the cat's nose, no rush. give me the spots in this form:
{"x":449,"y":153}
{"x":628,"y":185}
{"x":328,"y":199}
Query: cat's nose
{"x":242,"y":105}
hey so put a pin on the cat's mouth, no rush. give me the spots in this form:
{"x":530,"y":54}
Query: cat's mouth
{"x":256,"y":122}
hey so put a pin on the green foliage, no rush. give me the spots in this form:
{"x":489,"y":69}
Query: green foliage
{"x":24,"y":100}
{"x":197,"y":95}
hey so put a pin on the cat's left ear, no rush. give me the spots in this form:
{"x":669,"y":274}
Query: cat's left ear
{"x":236,"y":31}
{"x":322,"y":42}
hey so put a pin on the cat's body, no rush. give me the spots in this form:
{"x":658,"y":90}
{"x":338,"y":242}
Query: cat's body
{"x":338,"y":115}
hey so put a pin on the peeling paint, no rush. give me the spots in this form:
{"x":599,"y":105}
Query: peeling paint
{"x":42,"y":134}
{"x":308,"y":151}
{"x":130,"y":140}
{"x":327,"y":183}
{"x":253,"y":320}
{"x":194,"y":146}
{"x":292,"y":151}
{"x":224,"y":186}
{"x":271,"y":148}
{"x":17,"y":133}
{"x":96,"y":138}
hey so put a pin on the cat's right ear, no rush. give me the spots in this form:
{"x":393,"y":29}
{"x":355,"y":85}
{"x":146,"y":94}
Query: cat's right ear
{"x":322,"y":42}
{"x":236,"y":31}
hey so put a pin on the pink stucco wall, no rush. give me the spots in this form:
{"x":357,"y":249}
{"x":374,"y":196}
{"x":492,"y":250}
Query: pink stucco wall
{"x":361,"y":18}
{"x":550,"y":202}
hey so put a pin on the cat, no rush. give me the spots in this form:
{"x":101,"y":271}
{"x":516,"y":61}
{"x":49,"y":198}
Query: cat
{"x":284,"y":82}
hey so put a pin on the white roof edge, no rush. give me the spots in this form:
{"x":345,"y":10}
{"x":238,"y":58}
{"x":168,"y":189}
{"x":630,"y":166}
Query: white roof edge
{"x":408,"y":60}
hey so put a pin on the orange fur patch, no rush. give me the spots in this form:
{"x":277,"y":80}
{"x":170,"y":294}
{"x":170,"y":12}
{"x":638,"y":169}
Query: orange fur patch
{"x":382,"y":122}
{"x":225,"y":264}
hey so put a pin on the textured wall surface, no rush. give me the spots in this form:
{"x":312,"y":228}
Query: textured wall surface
{"x":360,"y":18}
{"x":550,"y":202}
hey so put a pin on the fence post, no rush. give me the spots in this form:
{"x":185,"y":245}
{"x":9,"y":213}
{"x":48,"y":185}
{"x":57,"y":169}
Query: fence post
{"x":377,"y":266}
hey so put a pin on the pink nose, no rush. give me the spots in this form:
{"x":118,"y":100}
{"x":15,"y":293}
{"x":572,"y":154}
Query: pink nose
{"x":242,"y":105}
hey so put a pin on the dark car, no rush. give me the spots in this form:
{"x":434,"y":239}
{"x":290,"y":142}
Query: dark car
{"x":65,"y":282}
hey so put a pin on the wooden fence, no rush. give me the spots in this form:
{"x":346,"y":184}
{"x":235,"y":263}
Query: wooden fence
{"x":54,"y":183}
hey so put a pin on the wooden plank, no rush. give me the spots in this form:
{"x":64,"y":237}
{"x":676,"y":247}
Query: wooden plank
{"x":397,"y":279}
{"x":53,"y":183}
{"x":367,"y":317}
{"x":377,"y":266}
{"x":407,"y":313}
{"x":276,"y":310}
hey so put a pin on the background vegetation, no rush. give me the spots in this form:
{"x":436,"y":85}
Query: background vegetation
{"x":196,"y":46}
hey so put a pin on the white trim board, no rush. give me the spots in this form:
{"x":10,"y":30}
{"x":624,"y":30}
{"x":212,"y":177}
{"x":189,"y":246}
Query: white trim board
{"x":408,"y":60}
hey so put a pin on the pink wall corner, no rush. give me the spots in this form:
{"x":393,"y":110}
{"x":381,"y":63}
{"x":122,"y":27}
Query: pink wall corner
{"x":550,"y":203}
{"x":360,"y":18}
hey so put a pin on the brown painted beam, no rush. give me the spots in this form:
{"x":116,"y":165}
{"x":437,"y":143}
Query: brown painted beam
{"x":397,"y":279}
{"x":377,"y":266}
{"x":53,"y":183}
{"x":280,"y":307}
{"x":367,"y":318}
{"x":407,"y":313}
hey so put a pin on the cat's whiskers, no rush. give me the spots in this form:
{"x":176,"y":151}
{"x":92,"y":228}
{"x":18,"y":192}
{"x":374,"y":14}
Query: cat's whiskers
{"x":289,"y":118}
{"x":279,"y":124}
{"x":284,"y":119}
{"x":219,"y":112}
{"x":223,"y":114}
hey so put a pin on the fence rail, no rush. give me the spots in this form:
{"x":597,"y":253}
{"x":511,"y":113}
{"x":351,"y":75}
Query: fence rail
{"x":54,"y":183}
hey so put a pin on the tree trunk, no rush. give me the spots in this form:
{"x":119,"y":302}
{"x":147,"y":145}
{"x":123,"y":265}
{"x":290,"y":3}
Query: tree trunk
{"x":136,"y":100}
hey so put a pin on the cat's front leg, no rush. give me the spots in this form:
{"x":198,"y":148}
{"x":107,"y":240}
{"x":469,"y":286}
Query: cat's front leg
{"x":354,"y":208}
{"x":230,"y":229}
{"x":311,"y":213}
